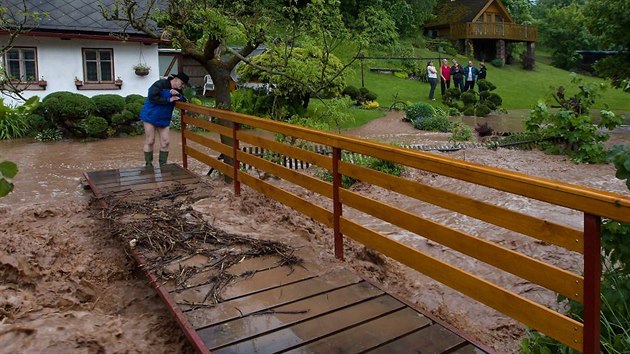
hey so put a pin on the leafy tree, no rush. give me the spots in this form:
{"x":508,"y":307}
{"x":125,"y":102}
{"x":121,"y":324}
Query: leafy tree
{"x":304,"y":66}
{"x":609,"y":19}
{"x":14,"y":21}
{"x":379,"y":27}
{"x":564,"y":30}
{"x":520,"y":10}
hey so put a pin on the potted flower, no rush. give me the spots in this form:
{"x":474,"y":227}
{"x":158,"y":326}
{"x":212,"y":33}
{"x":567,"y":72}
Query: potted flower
{"x":141,"y":69}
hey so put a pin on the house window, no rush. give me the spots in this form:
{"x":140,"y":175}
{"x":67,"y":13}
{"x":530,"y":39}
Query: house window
{"x":98,"y":65}
{"x":21,"y":64}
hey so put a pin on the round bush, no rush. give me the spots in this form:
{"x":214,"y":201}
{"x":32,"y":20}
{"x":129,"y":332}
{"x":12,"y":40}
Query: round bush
{"x":482,"y":110}
{"x":485,"y":85}
{"x":495,"y":99}
{"x":469,"y":98}
{"x":123,"y":118}
{"x":454,"y":112}
{"x":108,"y":104}
{"x":351,"y":92}
{"x":38,"y":123}
{"x":67,"y":106}
{"x":469,"y":111}
{"x":134,"y":108}
{"x":95,"y":127}
{"x":370,"y":96}
{"x":419,"y":110}
{"x":134,"y":98}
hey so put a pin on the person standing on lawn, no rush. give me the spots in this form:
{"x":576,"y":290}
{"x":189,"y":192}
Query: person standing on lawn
{"x":458,"y":75}
{"x":432,"y":76}
{"x":470,"y":73}
{"x":445,"y":76}
{"x":157,"y":112}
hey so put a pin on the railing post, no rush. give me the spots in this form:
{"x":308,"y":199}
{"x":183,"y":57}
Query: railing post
{"x":592,"y":283}
{"x":337,"y":210}
{"x":183,"y":129}
{"x":235,"y":163}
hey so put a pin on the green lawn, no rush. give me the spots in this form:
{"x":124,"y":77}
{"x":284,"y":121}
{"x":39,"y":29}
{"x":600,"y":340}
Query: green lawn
{"x":519,"y":88}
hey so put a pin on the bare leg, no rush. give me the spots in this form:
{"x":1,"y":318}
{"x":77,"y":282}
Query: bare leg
{"x":164,"y":138}
{"x":149,"y":136}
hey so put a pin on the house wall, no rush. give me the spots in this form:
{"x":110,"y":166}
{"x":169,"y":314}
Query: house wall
{"x":60,"y":61}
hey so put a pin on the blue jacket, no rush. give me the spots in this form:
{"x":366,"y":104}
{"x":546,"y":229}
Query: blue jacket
{"x":475,"y":71}
{"x":158,"y":108}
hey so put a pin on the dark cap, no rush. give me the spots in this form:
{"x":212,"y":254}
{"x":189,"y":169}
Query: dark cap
{"x":182,"y":77}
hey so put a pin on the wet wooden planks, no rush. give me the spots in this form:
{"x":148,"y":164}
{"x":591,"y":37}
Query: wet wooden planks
{"x":138,"y":178}
{"x":307,"y":309}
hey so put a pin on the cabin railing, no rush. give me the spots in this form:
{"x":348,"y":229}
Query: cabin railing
{"x":582,"y":286}
{"x":493,"y":30}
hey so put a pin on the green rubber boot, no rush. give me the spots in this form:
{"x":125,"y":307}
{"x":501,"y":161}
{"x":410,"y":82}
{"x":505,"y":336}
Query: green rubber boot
{"x":148,"y":158}
{"x":163,"y":157}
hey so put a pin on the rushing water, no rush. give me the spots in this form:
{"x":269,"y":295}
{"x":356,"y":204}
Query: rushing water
{"x":52,"y":171}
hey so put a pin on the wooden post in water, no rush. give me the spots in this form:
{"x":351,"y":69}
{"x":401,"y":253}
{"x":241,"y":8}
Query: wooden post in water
{"x":183,"y":129}
{"x":337,"y":208}
{"x":592,"y":283}
{"x":235,"y":163}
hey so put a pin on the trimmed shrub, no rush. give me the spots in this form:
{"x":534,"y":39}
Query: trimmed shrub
{"x":108,"y":104}
{"x":451,"y":96}
{"x":134,"y":98}
{"x":495,"y":99}
{"x":482,"y":110}
{"x":485,"y":85}
{"x":95,"y":127}
{"x":134,"y":108}
{"x":419,"y":110}
{"x":67,"y":106}
{"x":351,"y":92}
{"x":470,"y":98}
{"x":454,"y":112}
{"x":123,"y":118}
{"x":469,"y":111}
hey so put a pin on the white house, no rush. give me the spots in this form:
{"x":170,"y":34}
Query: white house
{"x":74,"y":49}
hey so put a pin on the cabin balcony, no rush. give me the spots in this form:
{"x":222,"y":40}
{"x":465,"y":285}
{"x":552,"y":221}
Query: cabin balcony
{"x":494,"y":30}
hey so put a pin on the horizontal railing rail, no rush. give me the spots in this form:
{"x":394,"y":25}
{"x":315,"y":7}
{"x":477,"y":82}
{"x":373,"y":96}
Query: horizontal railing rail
{"x":585,"y":241}
{"x":493,"y":30}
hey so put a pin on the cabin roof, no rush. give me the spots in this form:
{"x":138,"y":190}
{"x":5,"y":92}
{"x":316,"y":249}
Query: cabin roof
{"x":77,"y":16}
{"x":459,"y":11}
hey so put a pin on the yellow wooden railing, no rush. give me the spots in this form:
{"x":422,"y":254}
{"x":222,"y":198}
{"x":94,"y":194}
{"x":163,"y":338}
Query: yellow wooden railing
{"x":584,"y":287}
{"x":493,"y":30}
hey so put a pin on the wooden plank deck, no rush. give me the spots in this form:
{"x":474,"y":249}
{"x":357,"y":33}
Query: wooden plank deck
{"x":308,"y":310}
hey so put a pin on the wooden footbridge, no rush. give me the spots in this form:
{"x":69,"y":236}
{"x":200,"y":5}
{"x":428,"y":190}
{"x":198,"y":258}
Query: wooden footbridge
{"x":346,"y":313}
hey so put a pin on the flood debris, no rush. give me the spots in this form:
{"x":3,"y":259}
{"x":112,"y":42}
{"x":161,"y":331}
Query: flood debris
{"x":177,"y":243}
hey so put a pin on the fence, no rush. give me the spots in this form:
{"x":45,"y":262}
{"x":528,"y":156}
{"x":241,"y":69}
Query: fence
{"x":493,"y":30}
{"x":583,"y":336}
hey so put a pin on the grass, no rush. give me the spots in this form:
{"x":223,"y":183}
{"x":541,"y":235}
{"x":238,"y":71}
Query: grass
{"x":519,"y":88}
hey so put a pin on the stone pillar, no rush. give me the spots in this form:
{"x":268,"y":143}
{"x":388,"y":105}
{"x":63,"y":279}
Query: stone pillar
{"x":501,"y":54}
{"x":530,"y":56}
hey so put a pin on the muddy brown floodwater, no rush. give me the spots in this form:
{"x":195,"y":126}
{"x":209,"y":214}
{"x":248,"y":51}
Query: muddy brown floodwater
{"x":68,"y":287}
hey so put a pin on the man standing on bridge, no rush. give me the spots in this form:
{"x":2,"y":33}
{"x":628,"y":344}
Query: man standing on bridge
{"x":157,"y":112}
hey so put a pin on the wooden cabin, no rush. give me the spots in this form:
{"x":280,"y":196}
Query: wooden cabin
{"x":485,"y":26}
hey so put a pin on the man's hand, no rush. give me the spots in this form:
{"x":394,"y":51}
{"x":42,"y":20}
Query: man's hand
{"x":174,"y":98}
{"x":174,"y":92}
